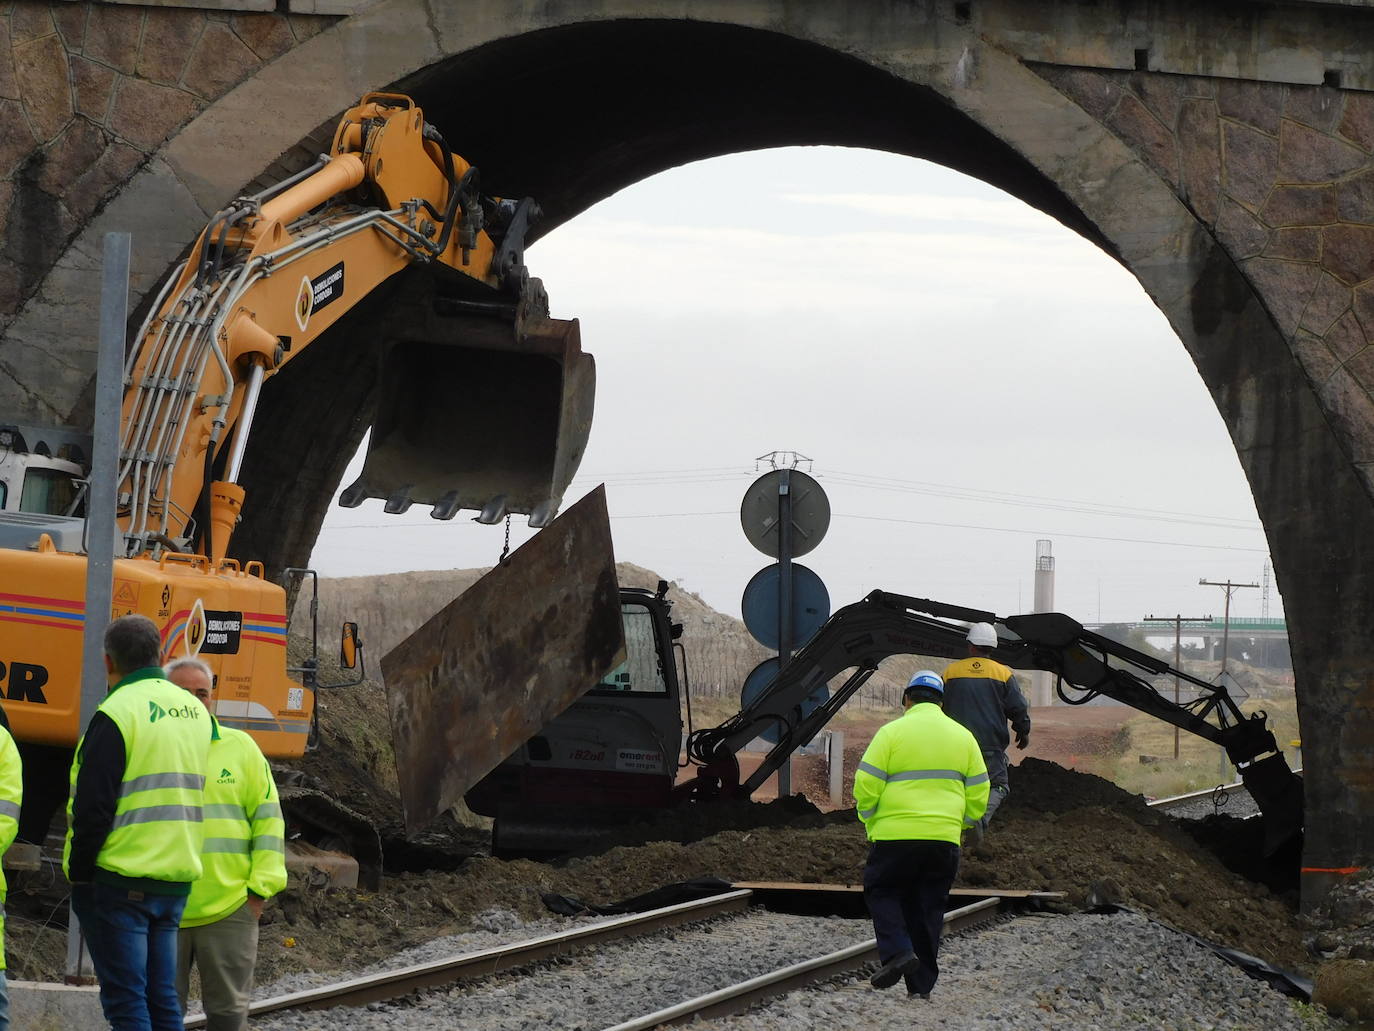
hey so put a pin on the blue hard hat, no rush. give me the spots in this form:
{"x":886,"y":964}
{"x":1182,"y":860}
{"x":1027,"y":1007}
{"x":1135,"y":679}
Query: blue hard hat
{"x":926,"y":678}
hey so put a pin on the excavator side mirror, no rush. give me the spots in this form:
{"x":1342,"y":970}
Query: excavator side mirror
{"x":676,"y":630}
{"x":348,"y":646}
{"x":662,"y":591}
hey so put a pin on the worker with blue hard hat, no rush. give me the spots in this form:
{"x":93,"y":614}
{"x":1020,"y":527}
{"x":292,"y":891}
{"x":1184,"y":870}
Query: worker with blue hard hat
{"x":921,"y":781}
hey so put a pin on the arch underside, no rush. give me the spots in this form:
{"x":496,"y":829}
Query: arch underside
{"x":571,"y":114}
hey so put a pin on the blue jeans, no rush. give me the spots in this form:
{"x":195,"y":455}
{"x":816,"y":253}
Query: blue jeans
{"x":132,"y":938}
{"x":4,"y":1003}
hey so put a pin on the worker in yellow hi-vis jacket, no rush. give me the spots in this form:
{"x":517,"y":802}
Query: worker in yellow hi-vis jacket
{"x":11,"y":797}
{"x":244,"y":860}
{"x":921,"y":781}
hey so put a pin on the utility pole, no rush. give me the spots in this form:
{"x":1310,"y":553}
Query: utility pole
{"x":1230,"y":589}
{"x":1177,"y":621}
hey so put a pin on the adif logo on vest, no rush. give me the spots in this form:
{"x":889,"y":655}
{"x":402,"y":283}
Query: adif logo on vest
{"x":179,"y":712}
{"x":225,"y":777}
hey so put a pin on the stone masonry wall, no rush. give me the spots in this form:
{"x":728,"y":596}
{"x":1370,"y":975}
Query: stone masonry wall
{"x":88,"y":91}
{"x":1283,"y":176}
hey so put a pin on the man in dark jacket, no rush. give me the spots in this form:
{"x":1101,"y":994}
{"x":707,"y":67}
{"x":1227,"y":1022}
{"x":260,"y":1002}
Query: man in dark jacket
{"x":983,"y":695}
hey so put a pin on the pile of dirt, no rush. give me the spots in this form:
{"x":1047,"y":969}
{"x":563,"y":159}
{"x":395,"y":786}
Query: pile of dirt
{"x":1058,"y":831}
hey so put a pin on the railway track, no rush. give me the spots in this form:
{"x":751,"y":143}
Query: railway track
{"x":1222,"y":793}
{"x":402,"y":987}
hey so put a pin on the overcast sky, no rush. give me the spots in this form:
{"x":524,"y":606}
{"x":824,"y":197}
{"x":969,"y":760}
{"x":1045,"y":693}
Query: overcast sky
{"x":966,"y":374}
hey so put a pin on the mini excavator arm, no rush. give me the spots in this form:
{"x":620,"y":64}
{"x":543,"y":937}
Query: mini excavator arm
{"x":860,"y":636}
{"x":272,"y":272}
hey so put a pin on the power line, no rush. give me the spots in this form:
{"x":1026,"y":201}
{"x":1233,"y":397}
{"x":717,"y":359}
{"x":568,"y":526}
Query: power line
{"x":870,"y":518}
{"x":865,"y":481}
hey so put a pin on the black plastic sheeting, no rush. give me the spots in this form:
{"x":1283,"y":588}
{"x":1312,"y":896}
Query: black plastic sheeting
{"x":1293,"y":985}
{"x":668,"y":895}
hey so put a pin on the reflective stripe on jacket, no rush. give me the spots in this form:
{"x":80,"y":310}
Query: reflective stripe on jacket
{"x":156,"y":833}
{"x":982,"y":695}
{"x":245,"y":838}
{"x":922,"y":777}
{"x":11,"y":797}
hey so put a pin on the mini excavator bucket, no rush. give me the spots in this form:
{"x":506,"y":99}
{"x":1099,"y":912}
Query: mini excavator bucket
{"x":480,"y":406}
{"x":501,"y":660}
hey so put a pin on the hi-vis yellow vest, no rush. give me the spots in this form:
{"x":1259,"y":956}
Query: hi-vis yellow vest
{"x":11,"y":796}
{"x":245,"y":838}
{"x":922,"y":777}
{"x":156,"y":832}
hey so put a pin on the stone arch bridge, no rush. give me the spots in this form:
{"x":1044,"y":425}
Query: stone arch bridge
{"x":1223,"y":153}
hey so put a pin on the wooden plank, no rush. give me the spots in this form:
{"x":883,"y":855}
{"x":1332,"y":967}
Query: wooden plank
{"x":857,"y":889}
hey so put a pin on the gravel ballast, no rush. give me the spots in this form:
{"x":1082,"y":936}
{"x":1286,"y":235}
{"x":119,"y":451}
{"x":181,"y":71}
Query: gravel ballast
{"x":1118,"y":971}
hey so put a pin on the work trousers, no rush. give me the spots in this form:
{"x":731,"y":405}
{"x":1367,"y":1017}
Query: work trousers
{"x":132,"y":939}
{"x":224,"y":953}
{"x":906,"y":886}
{"x":4,"y":1003}
{"x":996,"y":761}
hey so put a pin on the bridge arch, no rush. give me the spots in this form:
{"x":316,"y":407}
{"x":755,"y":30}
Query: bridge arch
{"x":568,"y":107}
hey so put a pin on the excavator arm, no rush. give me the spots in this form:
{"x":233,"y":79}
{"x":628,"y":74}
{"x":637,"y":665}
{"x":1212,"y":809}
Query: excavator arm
{"x":858,"y":637}
{"x":272,"y":272}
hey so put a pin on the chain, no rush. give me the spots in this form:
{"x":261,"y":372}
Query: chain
{"x":506,"y":549}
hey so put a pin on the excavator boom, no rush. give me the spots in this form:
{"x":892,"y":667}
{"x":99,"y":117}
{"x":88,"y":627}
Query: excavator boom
{"x":485,"y":404}
{"x":858,"y":637}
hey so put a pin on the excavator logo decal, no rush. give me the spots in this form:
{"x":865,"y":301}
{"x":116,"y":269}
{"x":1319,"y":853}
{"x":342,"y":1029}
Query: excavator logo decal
{"x":305,"y":298}
{"x":26,"y":682}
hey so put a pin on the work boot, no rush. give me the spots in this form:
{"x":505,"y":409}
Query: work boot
{"x":894,"y":970}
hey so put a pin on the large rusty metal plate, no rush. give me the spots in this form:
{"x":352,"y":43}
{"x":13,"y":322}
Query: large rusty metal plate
{"x":503,"y":658}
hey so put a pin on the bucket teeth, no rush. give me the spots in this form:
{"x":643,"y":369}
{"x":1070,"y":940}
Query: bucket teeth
{"x":446,"y":507}
{"x":493,"y":511}
{"x":543,"y":514}
{"x":398,"y":501}
{"x":354,"y":494}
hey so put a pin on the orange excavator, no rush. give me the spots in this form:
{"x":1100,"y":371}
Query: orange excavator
{"x":268,"y":276}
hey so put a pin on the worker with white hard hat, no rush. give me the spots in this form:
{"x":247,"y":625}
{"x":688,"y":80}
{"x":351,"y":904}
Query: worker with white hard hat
{"x":983,"y":695}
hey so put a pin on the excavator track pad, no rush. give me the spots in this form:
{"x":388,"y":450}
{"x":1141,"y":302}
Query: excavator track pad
{"x":503,"y":659}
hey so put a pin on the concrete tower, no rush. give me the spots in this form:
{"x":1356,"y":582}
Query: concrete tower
{"x":1042,"y":683}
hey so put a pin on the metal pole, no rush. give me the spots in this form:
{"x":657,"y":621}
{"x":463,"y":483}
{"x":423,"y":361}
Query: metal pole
{"x":1230,"y":589}
{"x":785,"y":601}
{"x":837,"y":768}
{"x":1177,"y":621}
{"x":100,"y":513}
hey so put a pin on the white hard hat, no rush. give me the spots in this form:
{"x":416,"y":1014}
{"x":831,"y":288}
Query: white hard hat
{"x":983,"y":635}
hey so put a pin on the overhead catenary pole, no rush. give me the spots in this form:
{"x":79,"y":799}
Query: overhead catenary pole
{"x":100,"y":513}
{"x":1177,"y":621}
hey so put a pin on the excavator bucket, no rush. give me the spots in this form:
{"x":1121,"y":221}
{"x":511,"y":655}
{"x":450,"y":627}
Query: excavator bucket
{"x":503,"y":659}
{"x":480,"y":406}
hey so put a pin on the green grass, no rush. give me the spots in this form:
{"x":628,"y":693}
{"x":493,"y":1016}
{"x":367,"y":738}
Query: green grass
{"x":1200,"y":764}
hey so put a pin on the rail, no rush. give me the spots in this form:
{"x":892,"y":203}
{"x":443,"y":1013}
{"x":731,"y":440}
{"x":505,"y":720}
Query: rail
{"x":394,"y":984}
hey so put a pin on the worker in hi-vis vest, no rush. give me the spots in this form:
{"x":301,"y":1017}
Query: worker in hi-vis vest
{"x":134,"y":828}
{"x":11,"y":797}
{"x":920,"y":783}
{"x":245,"y":864}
